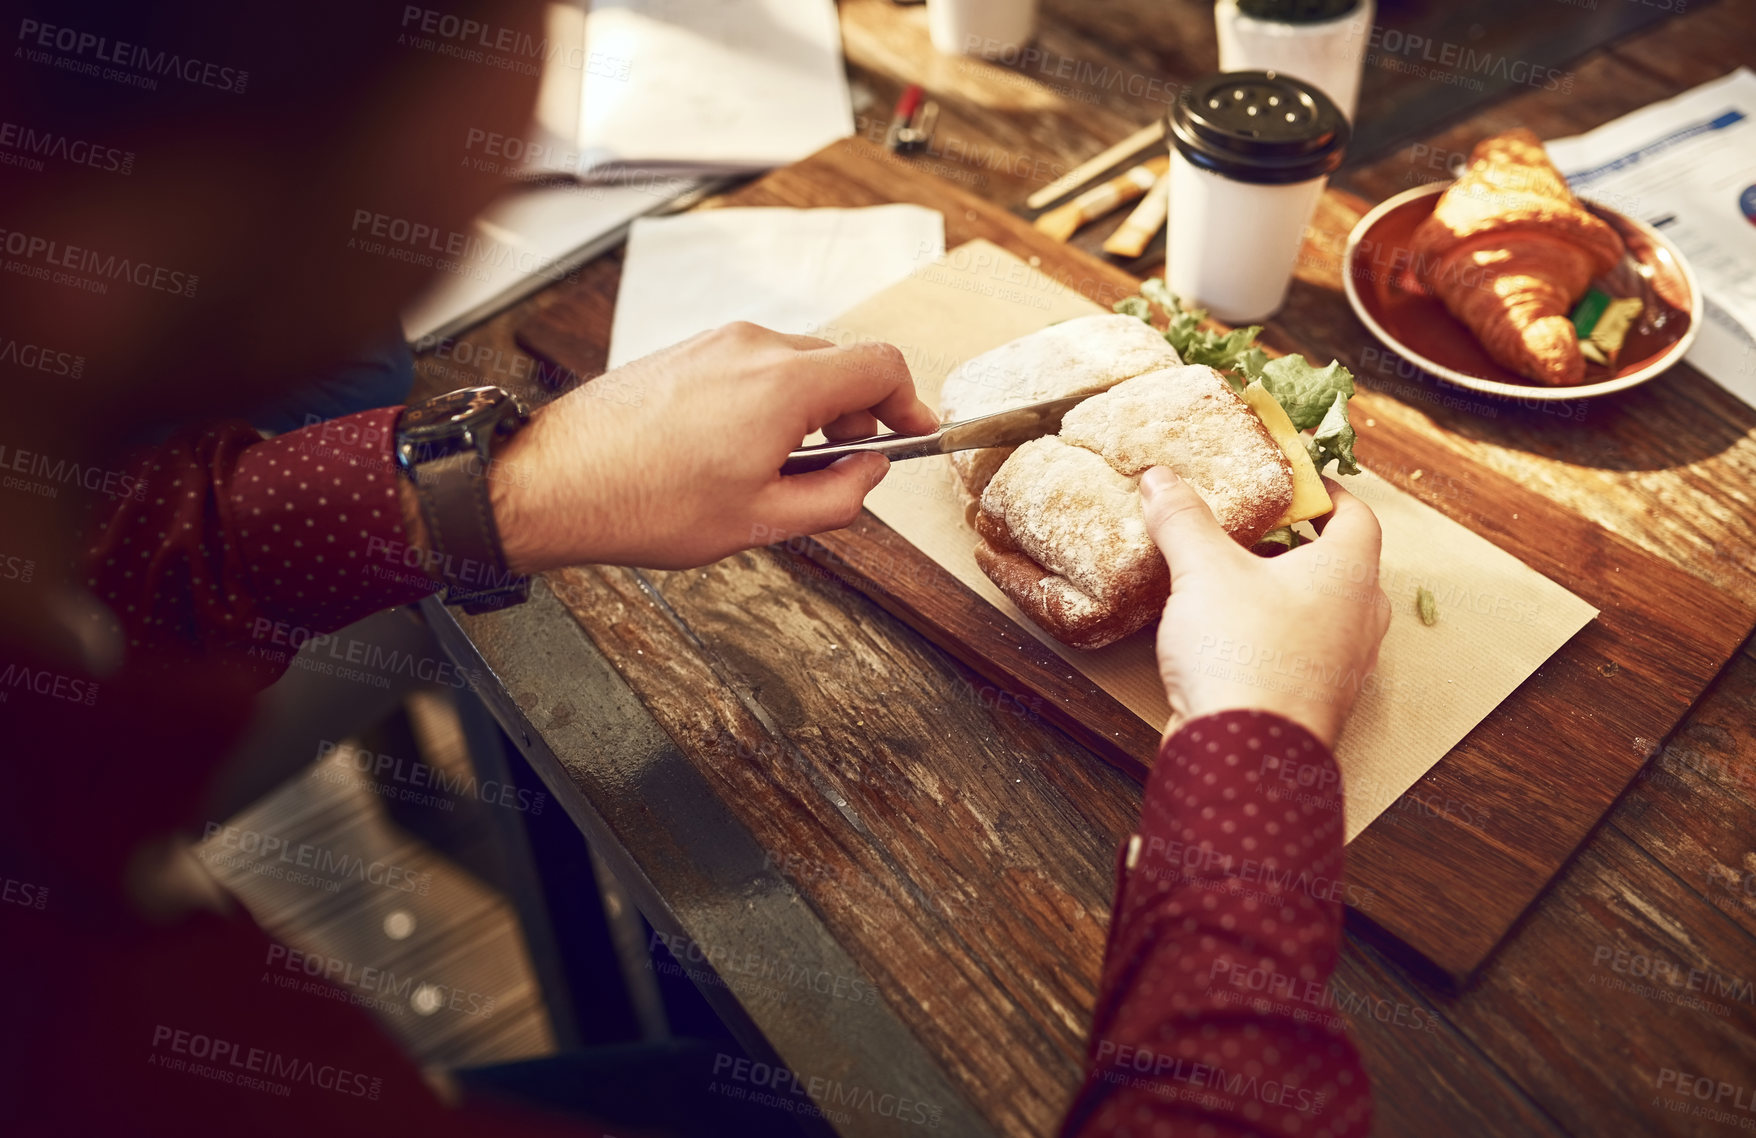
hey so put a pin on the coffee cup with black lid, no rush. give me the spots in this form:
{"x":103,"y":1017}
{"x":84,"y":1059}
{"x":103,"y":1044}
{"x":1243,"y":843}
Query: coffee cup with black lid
{"x":1321,"y":41}
{"x":1251,"y":152}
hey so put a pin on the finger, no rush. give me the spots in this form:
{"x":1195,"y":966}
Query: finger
{"x":1349,"y":531}
{"x":1352,"y":518}
{"x":1332,"y":486}
{"x":1334,"y":489}
{"x":863,"y":377}
{"x":820,"y":500}
{"x":1318,"y":523}
{"x":1182,"y":525}
{"x":1379,"y":626}
{"x":853,"y":425}
{"x":749,"y":335}
{"x":802,"y":343}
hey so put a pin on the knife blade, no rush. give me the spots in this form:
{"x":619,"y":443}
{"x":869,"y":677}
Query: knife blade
{"x":1001,"y":429}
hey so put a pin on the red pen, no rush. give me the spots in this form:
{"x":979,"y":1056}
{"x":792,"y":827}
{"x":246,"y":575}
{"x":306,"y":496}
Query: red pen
{"x":911,"y":124}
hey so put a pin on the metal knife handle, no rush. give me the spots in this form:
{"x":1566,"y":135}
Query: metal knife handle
{"x":892,"y":447}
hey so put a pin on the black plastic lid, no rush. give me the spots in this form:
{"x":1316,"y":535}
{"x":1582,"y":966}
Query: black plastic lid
{"x":1257,"y":126}
{"x":1297,"y":11}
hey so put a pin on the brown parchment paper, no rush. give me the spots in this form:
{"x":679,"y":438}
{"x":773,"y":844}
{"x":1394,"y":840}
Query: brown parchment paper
{"x":1498,"y":619}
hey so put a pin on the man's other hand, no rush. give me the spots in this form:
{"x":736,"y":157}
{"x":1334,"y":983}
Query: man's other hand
{"x":673,"y":460}
{"x":1295,"y":634}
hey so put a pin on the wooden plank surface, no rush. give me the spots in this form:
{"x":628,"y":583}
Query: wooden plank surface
{"x":1592,"y":1063}
{"x":961,"y":853}
{"x":1631,"y":674}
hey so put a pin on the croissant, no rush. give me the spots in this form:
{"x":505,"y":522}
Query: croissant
{"x":1510,"y":250}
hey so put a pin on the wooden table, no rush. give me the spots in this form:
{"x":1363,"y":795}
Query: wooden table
{"x":800,"y":783}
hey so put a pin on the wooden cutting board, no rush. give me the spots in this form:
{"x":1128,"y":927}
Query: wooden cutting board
{"x":1457,"y":861}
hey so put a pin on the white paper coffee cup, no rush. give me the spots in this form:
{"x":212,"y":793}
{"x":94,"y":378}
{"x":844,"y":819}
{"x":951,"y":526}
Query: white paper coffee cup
{"x":1327,"y":53}
{"x":1237,"y":259}
{"x":992,"y":29}
{"x":1250,"y":155}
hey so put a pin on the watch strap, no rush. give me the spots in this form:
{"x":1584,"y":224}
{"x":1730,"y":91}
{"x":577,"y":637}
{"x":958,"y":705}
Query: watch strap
{"x":453,"y":493}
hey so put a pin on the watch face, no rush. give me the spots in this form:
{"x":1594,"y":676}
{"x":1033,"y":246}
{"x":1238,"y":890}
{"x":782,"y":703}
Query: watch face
{"x":458,"y":420}
{"x":446,"y":414}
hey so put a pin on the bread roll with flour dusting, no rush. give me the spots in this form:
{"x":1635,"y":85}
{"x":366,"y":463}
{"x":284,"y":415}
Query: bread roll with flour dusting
{"x":1063,"y":529}
{"x":1075,"y":357}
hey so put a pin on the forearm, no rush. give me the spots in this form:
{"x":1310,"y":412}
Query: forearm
{"x":1214,"y":1007}
{"x":249,"y":546}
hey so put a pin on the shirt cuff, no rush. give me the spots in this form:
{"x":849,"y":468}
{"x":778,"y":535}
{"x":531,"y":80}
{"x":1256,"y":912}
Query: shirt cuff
{"x":319,"y":517}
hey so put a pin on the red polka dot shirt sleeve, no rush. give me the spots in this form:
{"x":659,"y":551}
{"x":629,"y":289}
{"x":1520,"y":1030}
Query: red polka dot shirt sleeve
{"x":1213,"y":1018}
{"x":228,"y":542}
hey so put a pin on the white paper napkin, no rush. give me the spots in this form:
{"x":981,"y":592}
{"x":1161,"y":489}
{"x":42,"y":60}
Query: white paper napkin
{"x":787,"y":269}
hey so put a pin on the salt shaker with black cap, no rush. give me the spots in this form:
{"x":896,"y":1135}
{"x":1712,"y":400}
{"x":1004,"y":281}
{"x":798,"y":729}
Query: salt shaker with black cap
{"x":1251,"y":152}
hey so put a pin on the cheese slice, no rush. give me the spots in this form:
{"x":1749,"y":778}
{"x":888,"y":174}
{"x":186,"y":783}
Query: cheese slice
{"x":1310,"y":499}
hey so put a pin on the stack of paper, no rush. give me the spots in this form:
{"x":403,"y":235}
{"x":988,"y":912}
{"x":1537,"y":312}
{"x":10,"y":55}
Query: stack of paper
{"x":639,"y":100}
{"x":711,"y":86}
{"x":688,"y":87}
{"x":528,"y":240}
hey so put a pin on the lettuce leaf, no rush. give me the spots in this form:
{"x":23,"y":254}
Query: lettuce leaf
{"x":1234,"y":353}
{"x":1308,"y":393}
{"x":1156,"y":290}
{"x":1334,"y":438}
{"x":1135,"y":306}
{"x":1313,"y":397}
{"x":1285,"y":535}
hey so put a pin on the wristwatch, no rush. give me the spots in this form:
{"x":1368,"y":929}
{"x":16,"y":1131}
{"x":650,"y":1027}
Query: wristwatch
{"x":445,"y":446}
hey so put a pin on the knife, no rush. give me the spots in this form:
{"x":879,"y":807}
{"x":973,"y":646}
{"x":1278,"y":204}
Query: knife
{"x":1001,"y":429}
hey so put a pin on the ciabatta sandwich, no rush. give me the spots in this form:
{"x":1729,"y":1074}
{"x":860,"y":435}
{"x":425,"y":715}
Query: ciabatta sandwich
{"x":1063,"y":532}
